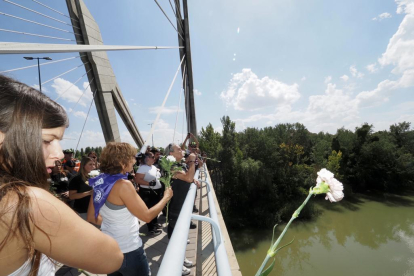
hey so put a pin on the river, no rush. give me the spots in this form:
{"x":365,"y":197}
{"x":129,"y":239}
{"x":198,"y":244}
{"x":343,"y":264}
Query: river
{"x":367,"y":236}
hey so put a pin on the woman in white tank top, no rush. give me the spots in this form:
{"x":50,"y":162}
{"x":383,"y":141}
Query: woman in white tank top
{"x":116,"y":206}
{"x":37,"y":227}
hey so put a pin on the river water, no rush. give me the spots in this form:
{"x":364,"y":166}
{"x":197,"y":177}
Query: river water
{"x":367,"y":236}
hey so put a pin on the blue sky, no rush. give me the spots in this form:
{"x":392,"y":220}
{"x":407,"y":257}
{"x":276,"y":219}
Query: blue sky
{"x":326,"y":64}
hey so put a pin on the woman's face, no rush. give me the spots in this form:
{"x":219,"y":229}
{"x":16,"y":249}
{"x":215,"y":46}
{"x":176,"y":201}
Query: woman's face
{"x":90,"y":166}
{"x":52,"y":151}
{"x":130,"y":166}
{"x":177,"y":152}
{"x":150,"y":159}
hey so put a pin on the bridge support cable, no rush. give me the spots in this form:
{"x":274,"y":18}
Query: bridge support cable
{"x":86,"y":119}
{"x":168,"y":19}
{"x":63,"y":73}
{"x":182,"y":126}
{"x":36,"y":48}
{"x":176,"y":17}
{"x":39,"y":13}
{"x":161,"y":109}
{"x":45,"y":63}
{"x":178,"y":109}
{"x":61,"y":13}
{"x":63,"y":93}
{"x":172,"y":263}
{"x":44,"y":36}
{"x":37,"y":23}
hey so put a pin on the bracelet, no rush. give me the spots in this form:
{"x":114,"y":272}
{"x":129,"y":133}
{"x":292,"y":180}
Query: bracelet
{"x":191,"y":162}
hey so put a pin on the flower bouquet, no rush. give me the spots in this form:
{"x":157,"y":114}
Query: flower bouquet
{"x":325,"y":184}
{"x":166,"y":164}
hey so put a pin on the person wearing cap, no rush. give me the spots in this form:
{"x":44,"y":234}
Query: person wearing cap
{"x":68,"y":156}
{"x":70,"y":169}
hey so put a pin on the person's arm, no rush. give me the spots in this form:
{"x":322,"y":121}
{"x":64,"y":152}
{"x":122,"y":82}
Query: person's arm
{"x":185,"y":141}
{"x":139,"y":178}
{"x":137,"y":206}
{"x":73,"y":194}
{"x":74,"y":185}
{"x":195,"y":139}
{"x":187,"y":176}
{"x":91,"y":214}
{"x":63,"y":236}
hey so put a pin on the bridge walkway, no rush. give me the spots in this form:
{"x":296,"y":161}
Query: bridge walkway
{"x":199,"y":250}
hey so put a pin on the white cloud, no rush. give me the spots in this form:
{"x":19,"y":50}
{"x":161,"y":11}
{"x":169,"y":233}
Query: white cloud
{"x":400,"y":53}
{"x":372,"y":68}
{"x":344,"y":78}
{"x":382,"y":16}
{"x":71,"y":93}
{"x":166,"y":110}
{"x":328,"y":79}
{"x":80,"y":114}
{"x":198,"y":93}
{"x":400,"y":49}
{"x":247,"y":92}
{"x":354,"y":72}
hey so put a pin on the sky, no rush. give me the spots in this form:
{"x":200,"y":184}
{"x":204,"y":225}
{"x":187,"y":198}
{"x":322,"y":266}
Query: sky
{"x":325,"y":64}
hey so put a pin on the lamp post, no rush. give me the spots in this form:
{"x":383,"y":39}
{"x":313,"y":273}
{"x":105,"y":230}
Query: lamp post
{"x":38,"y":67}
{"x":152,"y":136}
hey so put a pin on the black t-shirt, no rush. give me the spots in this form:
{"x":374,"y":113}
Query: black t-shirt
{"x":60,"y":182}
{"x":81,"y":204}
{"x":180,"y":189}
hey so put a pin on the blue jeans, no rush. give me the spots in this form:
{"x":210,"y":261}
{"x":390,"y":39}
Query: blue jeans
{"x":135,"y":264}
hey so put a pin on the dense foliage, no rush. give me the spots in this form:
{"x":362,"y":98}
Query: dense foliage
{"x":264,"y":174}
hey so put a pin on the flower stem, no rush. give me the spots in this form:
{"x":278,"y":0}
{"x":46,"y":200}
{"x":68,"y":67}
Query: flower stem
{"x":271,"y":252}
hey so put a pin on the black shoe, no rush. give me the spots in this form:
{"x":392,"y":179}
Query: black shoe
{"x":193,"y":225}
{"x":157,"y":226}
{"x":154,"y":232}
{"x":195,"y":210}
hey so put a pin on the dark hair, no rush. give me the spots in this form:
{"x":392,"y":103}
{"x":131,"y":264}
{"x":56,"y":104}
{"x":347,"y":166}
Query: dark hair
{"x":85,"y":160}
{"x":24,"y":112}
{"x":115,"y":156}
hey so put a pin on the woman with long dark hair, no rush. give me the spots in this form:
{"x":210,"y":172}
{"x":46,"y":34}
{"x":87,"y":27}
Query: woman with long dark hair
{"x":79,"y":190}
{"x":35,"y":226}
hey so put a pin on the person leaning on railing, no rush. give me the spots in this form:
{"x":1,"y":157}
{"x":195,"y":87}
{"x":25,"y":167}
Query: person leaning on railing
{"x":116,"y":207}
{"x":36,"y":226}
{"x":180,"y":184}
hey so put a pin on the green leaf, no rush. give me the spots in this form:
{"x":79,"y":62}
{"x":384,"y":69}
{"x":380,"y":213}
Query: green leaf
{"x":268,"y":270}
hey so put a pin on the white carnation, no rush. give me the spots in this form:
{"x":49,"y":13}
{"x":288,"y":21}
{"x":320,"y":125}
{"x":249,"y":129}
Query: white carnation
{"x":94,"y":173}
{"x":171,"y":158}
{"x":336,"y":188}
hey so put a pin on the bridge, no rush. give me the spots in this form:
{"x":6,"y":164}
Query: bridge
{"x":209,"y":246}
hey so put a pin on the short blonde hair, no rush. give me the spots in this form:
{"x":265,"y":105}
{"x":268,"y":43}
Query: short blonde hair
{"x":116,"y":156}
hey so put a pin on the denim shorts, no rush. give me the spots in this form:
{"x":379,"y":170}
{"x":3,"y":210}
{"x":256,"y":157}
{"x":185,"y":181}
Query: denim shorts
{"x":135,"y":264}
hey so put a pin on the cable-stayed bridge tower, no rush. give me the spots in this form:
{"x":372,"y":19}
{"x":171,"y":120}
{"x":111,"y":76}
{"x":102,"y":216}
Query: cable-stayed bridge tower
{"x":108,"y":96}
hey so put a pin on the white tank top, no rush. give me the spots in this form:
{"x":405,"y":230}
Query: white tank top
{"x":46,"y":268}
{"x":121,"y":225}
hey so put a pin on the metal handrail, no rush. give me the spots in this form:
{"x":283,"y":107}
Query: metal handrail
{"x":220,"y":253}
{"x":172,"y":263}
{"x":174,"y":255}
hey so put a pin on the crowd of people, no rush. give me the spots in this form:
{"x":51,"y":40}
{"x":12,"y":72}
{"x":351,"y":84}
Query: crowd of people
{"x":95,"y":224}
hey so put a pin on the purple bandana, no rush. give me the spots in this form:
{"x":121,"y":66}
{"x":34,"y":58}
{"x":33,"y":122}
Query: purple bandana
{"x":102,"y":186}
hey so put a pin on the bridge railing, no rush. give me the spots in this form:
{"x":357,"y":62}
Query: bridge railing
{"x":174,"y":256}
